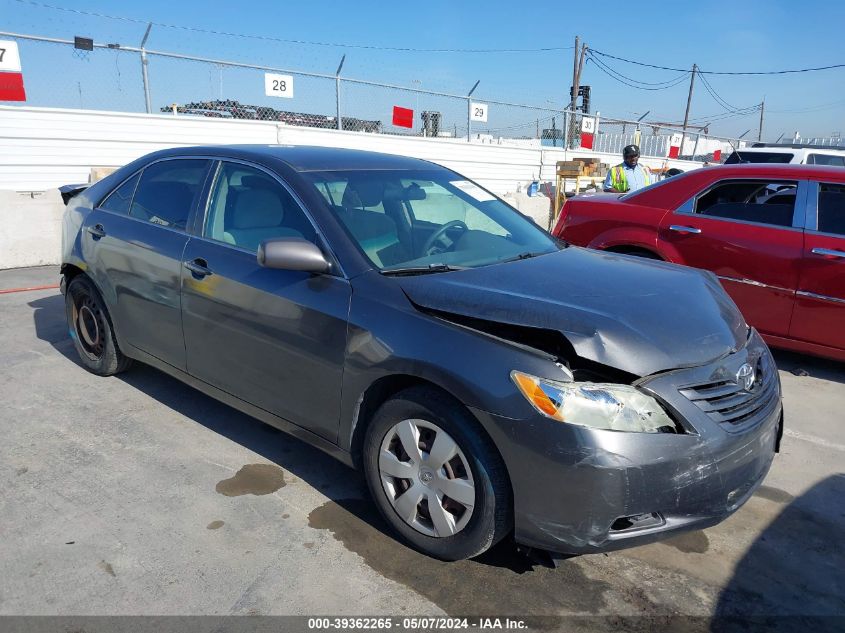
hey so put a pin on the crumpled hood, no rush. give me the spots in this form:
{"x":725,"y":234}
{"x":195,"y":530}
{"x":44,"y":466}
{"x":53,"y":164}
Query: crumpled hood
{"x":641,"y":316}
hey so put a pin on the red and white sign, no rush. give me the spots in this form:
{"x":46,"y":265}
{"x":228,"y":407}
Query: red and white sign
{"x":717,"y":156}
{"x":588,"y":131}
{"x":403,"y":117}
{"x":675,"y":145}
{"x":11,"y":78}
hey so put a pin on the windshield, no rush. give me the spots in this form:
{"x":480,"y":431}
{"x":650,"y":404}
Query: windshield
{"x":428,"y":220}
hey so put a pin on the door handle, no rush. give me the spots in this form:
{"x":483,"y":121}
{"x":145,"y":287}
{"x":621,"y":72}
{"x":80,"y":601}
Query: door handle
{"x":826,"y":252}
{"x":198,"y":267}
{"x":97,"y":231}
{"x":684,"y":229}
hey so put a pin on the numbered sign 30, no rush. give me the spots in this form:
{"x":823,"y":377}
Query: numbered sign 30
{"x":278,"y":85}
{"x":588,"y":125}
{"x":478,"y":112}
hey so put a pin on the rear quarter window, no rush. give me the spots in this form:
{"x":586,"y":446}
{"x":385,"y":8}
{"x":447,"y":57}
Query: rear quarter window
{"x":826,"y":159}
{"x":119,"y":200}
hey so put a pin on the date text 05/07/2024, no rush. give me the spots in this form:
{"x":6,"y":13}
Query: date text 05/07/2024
{"x":411,"y":623}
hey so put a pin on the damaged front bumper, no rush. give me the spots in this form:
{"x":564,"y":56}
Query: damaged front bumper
{"x":579,"y":490}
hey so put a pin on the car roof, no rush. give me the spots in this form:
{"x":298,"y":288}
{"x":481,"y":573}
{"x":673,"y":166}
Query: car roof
{"x":304,"y":158}
{"x":777,"y":170}
{"x":788,"y":146}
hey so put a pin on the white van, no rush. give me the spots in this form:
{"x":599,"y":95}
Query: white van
{"x":793,"y":154}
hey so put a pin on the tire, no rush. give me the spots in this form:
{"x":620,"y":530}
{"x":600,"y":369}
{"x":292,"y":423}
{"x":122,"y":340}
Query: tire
{"x":457,"y":529}
{"x":638,"y":252}
{"x":90,"y":328}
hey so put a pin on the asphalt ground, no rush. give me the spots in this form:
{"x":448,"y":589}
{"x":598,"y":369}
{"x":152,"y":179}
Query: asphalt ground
{"x":137,"y":495}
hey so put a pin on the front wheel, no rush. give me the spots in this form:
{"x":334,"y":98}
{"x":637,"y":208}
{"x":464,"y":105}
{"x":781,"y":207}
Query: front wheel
{"x":90,"y":328}
{"x":436,"y":479}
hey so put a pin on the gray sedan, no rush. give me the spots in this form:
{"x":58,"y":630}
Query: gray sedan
{"x":489,"y":380}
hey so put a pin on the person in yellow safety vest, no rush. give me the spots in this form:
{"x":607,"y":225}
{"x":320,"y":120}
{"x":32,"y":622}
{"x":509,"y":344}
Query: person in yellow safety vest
{"x":628,"y":175}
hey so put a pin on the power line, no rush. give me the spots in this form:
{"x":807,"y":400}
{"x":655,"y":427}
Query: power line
{"x":815,"y":108}
{"x":269,"y":38}
{"x":610,"y":73}
{"x":673,"y":81}
{"x":715,"y":72}
{"x":718,"y":99}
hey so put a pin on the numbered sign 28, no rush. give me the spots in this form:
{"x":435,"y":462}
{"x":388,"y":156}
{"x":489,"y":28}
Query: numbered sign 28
{"x":588,"y":125}
{"x":478,"y":112}
{"x":278,"y":85}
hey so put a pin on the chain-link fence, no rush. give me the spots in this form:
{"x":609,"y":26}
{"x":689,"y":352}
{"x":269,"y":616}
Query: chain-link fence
{"x":90,"y":75}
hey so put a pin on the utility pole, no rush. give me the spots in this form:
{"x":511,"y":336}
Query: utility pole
{"x":574,"y":95}
{"x":760,"y":129}
{"x":689,"y":101}
{"x":577,"y":87}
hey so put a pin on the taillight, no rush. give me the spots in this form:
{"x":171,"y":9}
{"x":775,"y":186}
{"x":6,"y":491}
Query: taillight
{"x":561,"y":217}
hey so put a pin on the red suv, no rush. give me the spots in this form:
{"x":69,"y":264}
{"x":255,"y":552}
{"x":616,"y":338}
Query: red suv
{"x":774,"y":235}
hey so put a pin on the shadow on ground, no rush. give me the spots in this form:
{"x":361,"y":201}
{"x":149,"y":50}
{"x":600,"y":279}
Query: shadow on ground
{"x":793,"y":575}
{"x":805,"y":365}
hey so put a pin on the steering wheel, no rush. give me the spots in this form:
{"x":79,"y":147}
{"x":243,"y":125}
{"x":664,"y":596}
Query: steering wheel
{"x":436,"y":239}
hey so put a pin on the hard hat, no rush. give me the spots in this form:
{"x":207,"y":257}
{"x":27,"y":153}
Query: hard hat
{"x":631,"y":150}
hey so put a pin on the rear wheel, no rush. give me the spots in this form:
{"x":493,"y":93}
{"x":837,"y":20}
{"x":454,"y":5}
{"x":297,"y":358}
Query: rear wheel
{"x":435,"y":478}
{"x":91,"y":330}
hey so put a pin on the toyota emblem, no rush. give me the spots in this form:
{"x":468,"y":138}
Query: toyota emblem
{"x":745,"y":377}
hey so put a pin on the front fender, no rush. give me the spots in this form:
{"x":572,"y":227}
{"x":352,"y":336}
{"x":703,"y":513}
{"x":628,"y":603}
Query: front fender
{"x":388,"y":337}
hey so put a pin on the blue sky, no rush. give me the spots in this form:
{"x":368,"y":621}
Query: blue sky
{"x":731,"y":36}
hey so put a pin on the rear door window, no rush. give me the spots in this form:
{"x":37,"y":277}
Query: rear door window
{"x":831,"y":208}
{"x":759,"y":201}
{"x":168,"y":191}
{"x":120,"y":199}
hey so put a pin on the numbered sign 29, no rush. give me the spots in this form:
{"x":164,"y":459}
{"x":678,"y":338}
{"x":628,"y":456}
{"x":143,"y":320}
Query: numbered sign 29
{"x":478,"y":112}
{"x":278,"y":85}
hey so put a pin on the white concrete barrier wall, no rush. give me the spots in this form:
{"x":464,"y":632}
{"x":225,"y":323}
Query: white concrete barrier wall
{"x":44,"y":148}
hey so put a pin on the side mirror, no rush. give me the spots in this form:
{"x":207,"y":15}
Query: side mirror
{"x":292,"y":253}
{"x":414,"y":192}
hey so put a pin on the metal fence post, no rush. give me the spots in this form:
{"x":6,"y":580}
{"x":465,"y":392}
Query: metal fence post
{"x":144,"y":74}
{"x":469,"y":120}
{"x":469,"y":111}
{"x":695,"y":147}
{"x":337,"y":92}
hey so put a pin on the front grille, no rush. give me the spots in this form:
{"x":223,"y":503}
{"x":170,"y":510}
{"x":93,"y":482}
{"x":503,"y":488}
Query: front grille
{"x":726,"y":402}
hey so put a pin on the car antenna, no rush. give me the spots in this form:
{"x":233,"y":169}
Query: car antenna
{"x":738,"y":155}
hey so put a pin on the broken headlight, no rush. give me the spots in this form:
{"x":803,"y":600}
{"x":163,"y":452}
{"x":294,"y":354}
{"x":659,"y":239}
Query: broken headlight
{"x":613,"y":407}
